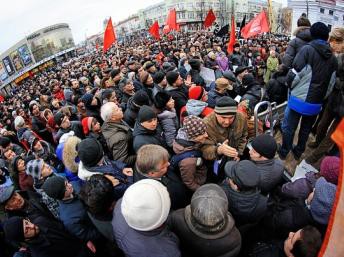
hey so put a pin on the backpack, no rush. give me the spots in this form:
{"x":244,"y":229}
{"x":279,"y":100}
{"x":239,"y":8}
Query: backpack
{"x":176,"y":159}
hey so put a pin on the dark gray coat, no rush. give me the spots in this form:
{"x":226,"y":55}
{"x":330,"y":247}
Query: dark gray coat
{"x":270,"y":172}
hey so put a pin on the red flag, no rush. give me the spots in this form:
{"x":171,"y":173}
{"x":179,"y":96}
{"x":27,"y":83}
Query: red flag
{"x":109,"y":36}
{"x":232,"y":37}
{"x":171,"y":21}
{"x":154,"y":30}
{"x":256,"y":26}
{"x":209,"y":20}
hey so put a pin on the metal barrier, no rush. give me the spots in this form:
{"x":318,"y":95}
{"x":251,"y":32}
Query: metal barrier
{"x":274,"y":112}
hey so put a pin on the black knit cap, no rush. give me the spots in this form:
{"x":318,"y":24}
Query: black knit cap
{"x":146,"y":113}
{"x":158,"y":77}
{"x":172,"y":77}
{"x":141,"y":98}
{"x":55,"y":187}
{"x":319,"y":31}
{"x":265,"y":145}
{"x":58,"y":118}
{"x":90,"y":152}
{"x":161,"y":99}
{"x":14,"y":230}
{"x":226,"y":106}
{"x":4,"y":142}
{"x":243,"y":173}
{"x":195,"y":64}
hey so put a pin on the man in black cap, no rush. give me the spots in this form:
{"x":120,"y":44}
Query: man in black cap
{"x":241,"y":186}
{"x":227,"y":131}
{"x":195,"y":72}
{"x":134,"y":104}
{"x":240,"y":72}
{"x":311,"y":80}
{"x":237,"y":58}
{"x":160,"y":82}
{"x":65,"y":126}
{"x":177,"y":89}
{"x":262,"y":152}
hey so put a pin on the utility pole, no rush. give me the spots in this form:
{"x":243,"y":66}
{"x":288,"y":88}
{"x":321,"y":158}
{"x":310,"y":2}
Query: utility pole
{"x":307,"y":6}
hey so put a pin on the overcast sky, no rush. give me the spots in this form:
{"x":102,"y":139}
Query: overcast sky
{"x":19,"y":18}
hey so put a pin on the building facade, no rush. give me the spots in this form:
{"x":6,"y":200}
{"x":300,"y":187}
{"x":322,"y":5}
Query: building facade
{"x":34,"y":50}
{"x":330,"y":12}
{"x":191,"y":14}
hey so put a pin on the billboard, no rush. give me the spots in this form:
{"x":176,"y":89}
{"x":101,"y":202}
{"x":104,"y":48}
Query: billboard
{"x":25,"y":54}
{"x":17,"y":62}
{"x":3,"y":74}
{"x":8,"y":66}
{"x":286,"y":20}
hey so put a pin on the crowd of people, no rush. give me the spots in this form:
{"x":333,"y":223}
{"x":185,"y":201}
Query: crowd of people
{"x":136,"y":153}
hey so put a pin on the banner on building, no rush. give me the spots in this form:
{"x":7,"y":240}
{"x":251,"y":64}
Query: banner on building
{"x":3,"y":74}
{"x":8,"y":66}
{"x":17,"y":62}
{"x":25,"y":54}
{"x":286,"y":20}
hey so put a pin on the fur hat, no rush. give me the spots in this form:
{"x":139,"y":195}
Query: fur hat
{"x":34,"y":168}
{"x":70,"y":154}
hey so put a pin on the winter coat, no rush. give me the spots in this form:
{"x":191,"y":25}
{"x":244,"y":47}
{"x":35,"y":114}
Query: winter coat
{"x":131,"y":113}
{"x":54,"y":241}
{"x":271,"y":66}
{"x":179,"y":95}
{"x":213,"y":96}
{"x":276,"y":90}
{"x":301,"y":187}
{"x":74,"y":126}
{"x":175,"y":187}
{"x":253,"y":93}
{"x":246,"y":207}
{"x":157,"y":243}
{"x":169,"y":123}
{"x":119,"y":140}
{"x":336,"y":99}
{"x":195,"y":107}
{"x":270,"y":174}
{"x":312,"y":77}
{"x":39,"y":126}
{"x":197,"y":78}
{"x":236,"y":59}
{"x":144,"y":136}
{"x":100,"y":138}
{"x":236,"y":133}
{"x":76,"y":221}
{"x":303,"y":36}
{"x":191,"y":244}
{"x":192,"y":175}
{"x":222,"y":62}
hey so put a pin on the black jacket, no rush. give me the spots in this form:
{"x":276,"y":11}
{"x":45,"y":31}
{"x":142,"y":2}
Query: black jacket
{"x":131,"y":112}
{"x":179,"y":95}
{"x":144,"y":136}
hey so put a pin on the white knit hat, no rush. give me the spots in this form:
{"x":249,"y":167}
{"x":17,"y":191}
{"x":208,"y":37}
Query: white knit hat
{"x":19,"y":122}
{"x":145,"y":205}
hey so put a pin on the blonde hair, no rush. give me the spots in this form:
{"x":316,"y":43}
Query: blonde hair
{"x":70,"y":153}
{"x":337,"y":34}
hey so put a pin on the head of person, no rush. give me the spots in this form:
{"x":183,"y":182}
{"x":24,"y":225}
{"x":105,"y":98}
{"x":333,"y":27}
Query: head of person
{"x":152,"y":161}
{"x":162,"y":100}
{"x":90,"y":152}
{"x":305,"y":242}
{"x":89,"y":100}
{"x":198,"y":93}
{"x":151,"y":200}
{"x":90,"y":124}
{"x":74,"y":83}
{"x":242,"y":176}
{"x":110,"y":112}
{"x":222,"y":85}
{"x":207,"y":215}
{"x":147,"y":118}
{"x":303,"y":22}
{"x":10,"y":199}
{"x":195,"y":129}
{"x":240,"y":72}
{"x":149,"y":67}
{"x":140,"y":98}
{"x":58,"y":188}
{"x":34,"y":109}
{"x":18,"y":164}
{"x":38,"y":169}
{"x":62,"y":120}
{"x":97,"y":194}
{"x":329,"y":169}
{"x":195,"y":64}
{"x":126,"y":86}
{"x":9,"y":154}
{"x":263,"y":147}
{"x":336,"y":39}
{"x":36,"y":145}
{"x":229,"y":76}
{"x":237,"y":47}
{"x":5,"y":144}
{"x":109,"y":95}
{"x":146,"y":78}
{"x":115,"y":75}
{"x":225,"y":111}
{"x":272,"y":53}
{"x":319,"y":31}
{"x":18,"y":229}
{"x":19,"y":122}
{"x":174,"y":79}
{"x":159,"y":78}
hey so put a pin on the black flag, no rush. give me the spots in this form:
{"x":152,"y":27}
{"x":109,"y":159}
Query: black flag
{"x":243,"y":23}
{"x":223,"y":31}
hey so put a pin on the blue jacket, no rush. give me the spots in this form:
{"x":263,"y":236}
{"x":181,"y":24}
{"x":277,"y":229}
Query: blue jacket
{"x":312,"y":77}
{"x":157,"y":243}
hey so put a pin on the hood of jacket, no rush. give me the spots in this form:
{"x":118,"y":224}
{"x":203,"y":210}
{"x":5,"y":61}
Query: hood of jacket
{"x":131,"y":106}
{"x":84,"y":173}
{"x":322,"y":47}
{"x":195,"y":107}
{"x":303,"y":33}
{"x":166,"y":114}
{"x":182,"y":143}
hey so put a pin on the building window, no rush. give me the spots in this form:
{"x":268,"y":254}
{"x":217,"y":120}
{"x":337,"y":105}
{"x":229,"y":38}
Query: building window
{"x":191,"y":15}
{"x":330,"y":12}
{"x":336,"y":18}
{"x":322,"y":10}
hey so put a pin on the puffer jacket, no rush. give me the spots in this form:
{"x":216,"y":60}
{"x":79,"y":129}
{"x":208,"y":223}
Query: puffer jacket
{"x":195,"y":107}
{"x":236,"y":133}
{"x":144,"y":136}
{"x":119,"y":140}
{"x":312,"y":77}
{"x":303,"y":36}
{"x":192,"y":174}
{"x":270,"y":174}
{"x":169,"y":123}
